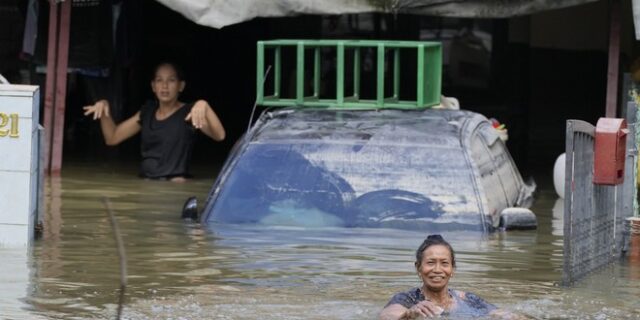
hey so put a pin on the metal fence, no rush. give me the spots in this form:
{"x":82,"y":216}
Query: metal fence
{"x":628,"y":201}
{"x":594,"y":215}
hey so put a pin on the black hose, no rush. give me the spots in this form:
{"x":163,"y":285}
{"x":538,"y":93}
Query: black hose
{"x":121,"y":255}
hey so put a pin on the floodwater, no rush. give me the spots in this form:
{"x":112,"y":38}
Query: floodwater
{"x":179,"y":270}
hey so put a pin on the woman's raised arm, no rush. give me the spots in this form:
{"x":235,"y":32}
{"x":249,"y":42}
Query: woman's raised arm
{"x":113,"y":134}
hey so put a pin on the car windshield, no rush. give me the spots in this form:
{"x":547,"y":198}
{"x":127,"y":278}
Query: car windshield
{"x":390,"y":169}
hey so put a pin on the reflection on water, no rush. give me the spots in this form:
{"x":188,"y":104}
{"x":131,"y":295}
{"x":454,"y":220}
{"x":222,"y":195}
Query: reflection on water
{"x":558,"y":217}
{"x":182,"y":270}
{"x":14,"y":277}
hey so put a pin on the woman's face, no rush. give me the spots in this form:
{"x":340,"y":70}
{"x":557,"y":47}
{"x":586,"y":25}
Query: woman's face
{"x":436,"y":267}
{"x":166,"y":85}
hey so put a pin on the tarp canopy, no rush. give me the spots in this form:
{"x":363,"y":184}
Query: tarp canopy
{"x":221,"y":13}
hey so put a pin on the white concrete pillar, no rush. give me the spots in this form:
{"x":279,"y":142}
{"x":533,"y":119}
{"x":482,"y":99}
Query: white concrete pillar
{"x":19,"y":163}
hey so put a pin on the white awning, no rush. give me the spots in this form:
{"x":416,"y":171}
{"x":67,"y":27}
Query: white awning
{"x":221,"y":13}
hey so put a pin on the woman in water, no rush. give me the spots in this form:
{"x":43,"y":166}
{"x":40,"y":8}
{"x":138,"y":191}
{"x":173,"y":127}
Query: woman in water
{"x":167,"y":126}
{"x":435,"y":264}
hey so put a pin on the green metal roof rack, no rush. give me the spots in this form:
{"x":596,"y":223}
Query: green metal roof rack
{"x":427,"y":85}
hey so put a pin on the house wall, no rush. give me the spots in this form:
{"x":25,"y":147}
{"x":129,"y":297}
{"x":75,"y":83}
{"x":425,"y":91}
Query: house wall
{"x":566,"y":68}
{"x":11,"y":29}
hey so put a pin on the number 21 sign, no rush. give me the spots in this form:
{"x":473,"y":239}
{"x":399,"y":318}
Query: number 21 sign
{"x":9,"y":125}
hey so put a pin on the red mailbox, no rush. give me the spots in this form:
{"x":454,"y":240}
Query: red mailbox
{"x":609,"y":151}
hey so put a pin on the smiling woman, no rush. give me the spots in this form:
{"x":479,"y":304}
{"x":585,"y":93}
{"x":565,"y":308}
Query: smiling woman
{"x":435,"y":265}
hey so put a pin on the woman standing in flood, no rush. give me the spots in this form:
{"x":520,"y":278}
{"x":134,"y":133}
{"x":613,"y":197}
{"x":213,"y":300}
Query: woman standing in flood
{"x":167,"y":126}
{"x":435,"y":264}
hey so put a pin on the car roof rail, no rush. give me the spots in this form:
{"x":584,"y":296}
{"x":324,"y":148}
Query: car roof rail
{"x":428,"y":68}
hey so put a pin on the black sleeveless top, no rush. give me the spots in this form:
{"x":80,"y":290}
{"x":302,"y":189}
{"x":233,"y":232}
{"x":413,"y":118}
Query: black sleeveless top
{"x":166,"y":145}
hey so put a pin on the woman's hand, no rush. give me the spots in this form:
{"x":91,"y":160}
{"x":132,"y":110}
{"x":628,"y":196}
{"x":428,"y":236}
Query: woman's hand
{"x":198,"y":114}
{"x":423,"y":308}
{"x":98,"y":110}
{"x":204,"y":118}
{"x":113,"y":134}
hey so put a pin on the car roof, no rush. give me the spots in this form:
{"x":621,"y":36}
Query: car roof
{"x":427,"y":127}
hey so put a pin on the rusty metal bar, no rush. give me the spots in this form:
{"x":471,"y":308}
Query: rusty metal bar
{"x":52,"y":51}
{"x":61,"y":87}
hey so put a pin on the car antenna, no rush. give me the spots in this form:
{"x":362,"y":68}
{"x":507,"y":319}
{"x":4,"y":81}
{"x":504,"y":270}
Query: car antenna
{"x":121,"y":254}
{"x":255,"y":104}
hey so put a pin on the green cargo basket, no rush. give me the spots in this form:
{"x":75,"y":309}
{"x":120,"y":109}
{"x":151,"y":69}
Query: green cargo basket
{"x":428,"y":73}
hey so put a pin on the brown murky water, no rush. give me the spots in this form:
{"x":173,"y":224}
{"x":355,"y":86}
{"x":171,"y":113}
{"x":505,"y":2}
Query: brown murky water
{"x":181,"y":270}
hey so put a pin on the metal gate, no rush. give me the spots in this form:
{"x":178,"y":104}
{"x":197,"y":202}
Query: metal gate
{"x":594,"y":215}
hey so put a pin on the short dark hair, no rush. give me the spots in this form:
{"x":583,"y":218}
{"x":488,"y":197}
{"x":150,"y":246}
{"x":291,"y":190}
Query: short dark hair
{"x":433,"y":240}
{"x":173,"y":65}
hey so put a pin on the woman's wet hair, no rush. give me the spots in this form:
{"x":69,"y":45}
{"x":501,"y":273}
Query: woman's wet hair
{"x":434,"y":240}
{"x":174,"y":66}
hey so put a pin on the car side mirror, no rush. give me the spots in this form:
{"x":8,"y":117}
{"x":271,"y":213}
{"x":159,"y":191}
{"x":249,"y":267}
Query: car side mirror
{"x":190,"y":209}
{"x":518,"y":219}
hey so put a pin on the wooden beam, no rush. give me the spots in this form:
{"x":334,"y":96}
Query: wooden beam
{"x":50,"y":86}
{"x":614,"y":58}
{"x":61,"y":87}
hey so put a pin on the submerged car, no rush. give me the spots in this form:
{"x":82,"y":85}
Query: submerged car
{"x":430,"y":169}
